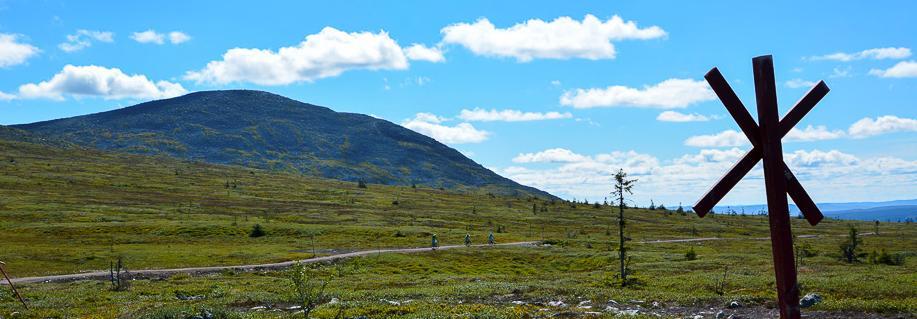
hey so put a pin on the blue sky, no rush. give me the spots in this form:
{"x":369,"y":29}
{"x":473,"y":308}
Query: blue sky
{"x":595,"y":78}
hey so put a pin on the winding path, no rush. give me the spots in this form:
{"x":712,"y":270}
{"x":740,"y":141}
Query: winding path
{"x":148,"y":273}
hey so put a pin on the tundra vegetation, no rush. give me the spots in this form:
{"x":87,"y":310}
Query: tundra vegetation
{"x":71,"y":210}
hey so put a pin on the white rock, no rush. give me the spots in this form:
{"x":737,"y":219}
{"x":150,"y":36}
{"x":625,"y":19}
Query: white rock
{"x":557,"y":304}
{"x":628,"y":312}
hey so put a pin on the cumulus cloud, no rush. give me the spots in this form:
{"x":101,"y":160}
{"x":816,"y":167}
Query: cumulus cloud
{"x":178,"y":37}
{"x":562,"y":38}
{"x":433,"y":126}
{"x":727,"y":138}
{"x":711,"y":156}
{"x":83,"y":39}
{"x":151,"y":36}
{"x":828,"y":175}
{"x":868,"y":126}
{"x":813,"y":133}
{"x":904,"y":69}
{"x":7,"y":97}
{"x":674,"y":116}
{"x":874,"y":54}
{"x":818,"y":158}
{"x":554,"y":155}
{"x":13,"y":52}
{"x":419,"y":52}
{"x":668,"y":94}
{"x":325,"y":54}
{"x":863,"y":128}
{"x":482,"y":115}
{"x":97,"y":81}
{"x":800,"y":83}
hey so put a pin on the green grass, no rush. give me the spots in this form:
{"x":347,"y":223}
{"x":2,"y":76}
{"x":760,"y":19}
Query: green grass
{"x":74,"y":210}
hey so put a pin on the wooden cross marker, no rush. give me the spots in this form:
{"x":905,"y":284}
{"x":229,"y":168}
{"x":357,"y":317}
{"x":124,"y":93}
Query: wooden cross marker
{"x":779,"y":181}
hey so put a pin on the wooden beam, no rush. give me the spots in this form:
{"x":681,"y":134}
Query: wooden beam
{"x":775,"y":187}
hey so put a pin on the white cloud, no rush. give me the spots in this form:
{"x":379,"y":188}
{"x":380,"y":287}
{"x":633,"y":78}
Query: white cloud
{"x":554,"y":155}
{"x":827,"y":175}
{"x":562,"y":38}
{"x":819,"y":158}
{"x":863,"y":128}
{"x":83,"y":39}
{"x":727,"y":138}
{"x":108,"y":83}
{"x":711,"y":156}
{"x":841,"y":72}
{"x":810,"y":133}
{"x":419,"y":52}
{"x":178,"y":37}
{"x":668,"y":94}
{"x":875,"y":54}
{"x":325,"y":54}
{"x":884,"y":124}
{"x":149,"y":36}
{"x":904,"y":69}
{"x":800,"y":83}
{"x":429,"y":117}
{"x":432,"y":126}
{"x":508,"y":115}
{"x":13,"y":52}
{"x":6,"y":96}
{"x":673,"y":116}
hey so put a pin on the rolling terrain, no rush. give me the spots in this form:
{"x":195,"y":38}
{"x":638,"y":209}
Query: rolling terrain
{"x":73,"y":210}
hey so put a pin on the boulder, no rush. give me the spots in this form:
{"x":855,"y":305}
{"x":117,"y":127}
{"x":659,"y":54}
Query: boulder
{"x":809,"y":300}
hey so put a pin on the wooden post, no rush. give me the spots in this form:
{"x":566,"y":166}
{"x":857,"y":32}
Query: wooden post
{"x":775,"y":186}
{"x":779,"y":181}
{"x":8,"y":280}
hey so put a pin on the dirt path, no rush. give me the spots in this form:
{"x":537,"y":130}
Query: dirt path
{"x":149,"y":273}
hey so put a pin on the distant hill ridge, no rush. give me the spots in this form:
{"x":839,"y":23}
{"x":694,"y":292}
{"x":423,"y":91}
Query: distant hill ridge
{"x":265,"y":130}
{"x":895,"y":210}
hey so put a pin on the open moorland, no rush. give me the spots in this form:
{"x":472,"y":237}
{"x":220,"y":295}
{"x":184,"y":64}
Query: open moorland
{"x":74,"y":210}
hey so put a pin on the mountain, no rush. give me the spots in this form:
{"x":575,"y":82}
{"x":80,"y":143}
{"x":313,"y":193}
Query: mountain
{"x":884,"y":213}
{"x":265,"y":130}
{"x":895,"y":210}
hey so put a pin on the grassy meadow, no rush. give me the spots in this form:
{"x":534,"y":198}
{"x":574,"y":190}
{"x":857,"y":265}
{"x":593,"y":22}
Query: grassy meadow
{"x":75,"y":210}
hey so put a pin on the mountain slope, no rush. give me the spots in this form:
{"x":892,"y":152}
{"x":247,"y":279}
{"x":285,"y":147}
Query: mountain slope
{"x":265,"y":130}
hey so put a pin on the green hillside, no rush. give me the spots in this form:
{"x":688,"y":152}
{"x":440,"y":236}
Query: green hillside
{"x":70,"y":210}
{"x":265,"y":130}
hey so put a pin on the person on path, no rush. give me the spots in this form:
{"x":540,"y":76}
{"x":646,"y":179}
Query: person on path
{"x":467,"y":240}
{"x":434,"y":243}
{"x":490,"y":239}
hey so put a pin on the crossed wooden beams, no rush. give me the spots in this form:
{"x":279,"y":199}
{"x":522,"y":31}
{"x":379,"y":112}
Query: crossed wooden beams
{"x":751,"y":158}
{"x":765,"y":137}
